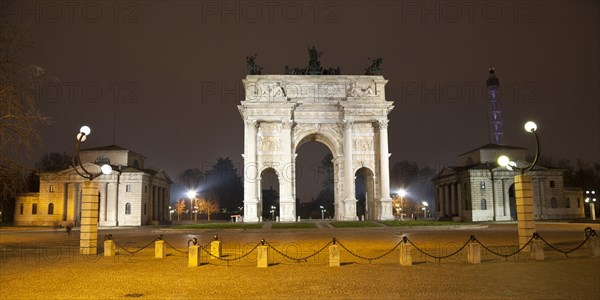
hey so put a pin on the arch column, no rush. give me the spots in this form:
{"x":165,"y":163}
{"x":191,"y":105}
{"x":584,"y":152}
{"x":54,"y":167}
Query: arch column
{"x":250,"y":172}
{"x":446,"y":200}
{"x":349,"y":212}
{"x":287,"y":203}
{"x":384,"y":156}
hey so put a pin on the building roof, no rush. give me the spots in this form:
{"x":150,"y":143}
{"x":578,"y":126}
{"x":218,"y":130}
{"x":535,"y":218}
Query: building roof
{"x":494,"y":146}
{"x":111,"y":148}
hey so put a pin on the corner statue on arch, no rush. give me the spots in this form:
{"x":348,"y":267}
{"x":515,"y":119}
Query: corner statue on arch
{"x":347,"y":113}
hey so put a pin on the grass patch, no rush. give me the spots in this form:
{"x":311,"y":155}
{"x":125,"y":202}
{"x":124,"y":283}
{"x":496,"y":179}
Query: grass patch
{"x":353,"y":224}
{"x":218,"y":226}
{"x":422,"y":223}
{"x":293,"y":225}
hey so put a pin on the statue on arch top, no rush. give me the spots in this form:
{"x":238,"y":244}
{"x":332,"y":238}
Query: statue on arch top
{"x":376,"y":66}
{"x":253,"y":68}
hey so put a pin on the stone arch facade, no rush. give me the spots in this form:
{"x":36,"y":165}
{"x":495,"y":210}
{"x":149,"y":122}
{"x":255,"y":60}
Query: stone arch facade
{"x":346,"y":113}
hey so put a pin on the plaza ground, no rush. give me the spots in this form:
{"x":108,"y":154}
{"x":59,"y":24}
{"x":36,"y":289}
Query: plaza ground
{"x":44,"y":263}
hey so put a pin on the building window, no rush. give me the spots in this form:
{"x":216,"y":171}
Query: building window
{"x":145,"y":189}
{"x":102,"y":160}
{"x":482,"y":184}
{"x":551,"y":183}
{"x":128,"y":188}
{"x":568,"y":202}
{"x":34,"y":209}
{"x":22,"y":208}
{"x":145,"y":208}
{"x":553,"y":203}
{"x":51,"y":188}
{"x":51,"y":208}
{"x":483,"y":204}
{"x":578,"y":203}
{"x":127,"y":208}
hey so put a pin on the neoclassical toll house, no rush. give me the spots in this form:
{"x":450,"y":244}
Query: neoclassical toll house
{"x":347,"y":113}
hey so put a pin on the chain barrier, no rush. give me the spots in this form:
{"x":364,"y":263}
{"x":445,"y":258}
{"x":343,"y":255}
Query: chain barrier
{"x":135,"y":251}
{"x":589,"y":233}
{"x":439,"y":258}
{"x":173,"y":247}
{"x":299,"y":259}
{"x":506,"y":256}
{"x":228,"y":260}
{"x":364,"y":257}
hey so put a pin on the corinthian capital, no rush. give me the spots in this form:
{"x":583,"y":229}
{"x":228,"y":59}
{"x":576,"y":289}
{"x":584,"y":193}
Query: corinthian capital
{"x":287,"y":124}
{"x":250,"y":123}
{"x":383,"y":124}
{"x":348,"y":124}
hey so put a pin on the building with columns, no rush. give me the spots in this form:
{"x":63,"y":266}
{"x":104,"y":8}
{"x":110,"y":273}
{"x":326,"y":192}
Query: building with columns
{"x":477,"y":189}
{"x":130,"y":196}
{"x":347,"y":113}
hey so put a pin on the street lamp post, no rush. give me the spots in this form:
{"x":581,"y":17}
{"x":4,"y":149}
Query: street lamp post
{"x":273,"y":212}
{"x":322,"y":212}
{"x":425,"y":205}
{"x":88,"y":239}
{"x":590,"y":197}
{"x":191,"y":194}
{"x":524,"y":189}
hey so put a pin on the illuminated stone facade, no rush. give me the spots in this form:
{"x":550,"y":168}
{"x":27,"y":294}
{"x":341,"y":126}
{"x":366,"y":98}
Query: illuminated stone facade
{"x":479,"y":190}
{"x":130,"y":196}
{"x":346,"y":113}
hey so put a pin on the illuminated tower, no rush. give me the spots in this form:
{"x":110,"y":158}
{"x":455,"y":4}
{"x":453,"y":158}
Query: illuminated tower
{"x":493,"y":91}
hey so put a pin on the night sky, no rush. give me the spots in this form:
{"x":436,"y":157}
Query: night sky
{"x":171,"y":71}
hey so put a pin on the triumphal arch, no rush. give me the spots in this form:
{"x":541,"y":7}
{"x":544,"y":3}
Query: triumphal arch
{"x":347,"y":113}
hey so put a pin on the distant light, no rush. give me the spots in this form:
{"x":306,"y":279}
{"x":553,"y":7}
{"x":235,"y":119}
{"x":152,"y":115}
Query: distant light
{"x":191,"y":194}
{"x":85,"y":130}
{"x":425,"y":204}
{"x":530,"y":126}
{"x":503,"y":160}
{"x":402,"y":192}
{"x":106,"y":169}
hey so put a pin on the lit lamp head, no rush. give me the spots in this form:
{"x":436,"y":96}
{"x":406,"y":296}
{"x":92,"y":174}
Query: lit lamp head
{"x":84,"y":131}
{"x":530,"y":127}
{"x":425,"y":204}
{"x":191,"y":194}
{"x":504,"y":161}
{"x":106,"y":169}
{"x":590,"y":196}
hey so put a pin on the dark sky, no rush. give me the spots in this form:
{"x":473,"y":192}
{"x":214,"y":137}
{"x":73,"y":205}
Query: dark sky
{"x":172,"y":70}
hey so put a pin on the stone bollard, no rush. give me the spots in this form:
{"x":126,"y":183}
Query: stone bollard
{"x":405,"y":253}
{"x":109,"y":248}
{"x":334,"y":255}
{"x":160,"y":249}
{"x":193,"y":256}
{"x":215,"y":248}
{"x":537,"y":249}
{"x":474,"y":253}
{"x":298,"y":219}
{"x":593,"y":244}
{"x":262,"y":256}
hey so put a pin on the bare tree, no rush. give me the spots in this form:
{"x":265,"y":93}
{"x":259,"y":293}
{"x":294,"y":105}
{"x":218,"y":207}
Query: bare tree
{"x":18,"y":114}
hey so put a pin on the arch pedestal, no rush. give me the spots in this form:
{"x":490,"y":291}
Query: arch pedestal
{"x":346,"y":113}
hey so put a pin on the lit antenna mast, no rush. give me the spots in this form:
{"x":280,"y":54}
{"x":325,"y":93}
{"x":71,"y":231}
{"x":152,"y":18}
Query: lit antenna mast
{"x":493,"y":89}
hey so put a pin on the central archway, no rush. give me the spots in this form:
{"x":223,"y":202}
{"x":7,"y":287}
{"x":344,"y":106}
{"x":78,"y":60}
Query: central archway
{"x":328,"y":194}
{"x":346,"y":113}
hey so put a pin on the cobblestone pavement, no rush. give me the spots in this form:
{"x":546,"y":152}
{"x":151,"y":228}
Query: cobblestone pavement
{"x":46,"y":264}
